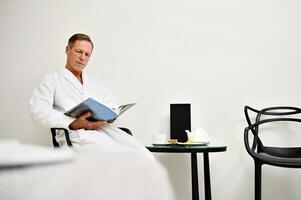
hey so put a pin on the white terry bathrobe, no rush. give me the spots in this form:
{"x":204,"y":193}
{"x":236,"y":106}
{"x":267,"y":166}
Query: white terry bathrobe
{"x":57,"y":93}
{"x":61,"y":91}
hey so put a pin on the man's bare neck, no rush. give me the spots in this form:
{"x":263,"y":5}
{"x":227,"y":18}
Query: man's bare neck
{"x":78,"y":75}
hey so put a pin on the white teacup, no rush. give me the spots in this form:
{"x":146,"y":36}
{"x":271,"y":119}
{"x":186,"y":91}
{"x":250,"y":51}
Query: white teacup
{"x":159,"y":138}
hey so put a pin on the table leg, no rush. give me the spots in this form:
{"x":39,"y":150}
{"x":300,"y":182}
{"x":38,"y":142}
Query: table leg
{"x":194,"y":176}
{"x":207,"y":177}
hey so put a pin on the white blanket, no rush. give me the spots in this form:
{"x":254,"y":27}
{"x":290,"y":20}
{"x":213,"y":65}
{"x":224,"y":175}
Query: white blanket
{"x":91,"y":175}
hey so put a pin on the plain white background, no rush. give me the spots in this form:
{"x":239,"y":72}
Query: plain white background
{"x":217,"y":55}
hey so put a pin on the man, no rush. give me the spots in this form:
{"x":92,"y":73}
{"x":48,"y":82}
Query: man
{"x":62,"y":90}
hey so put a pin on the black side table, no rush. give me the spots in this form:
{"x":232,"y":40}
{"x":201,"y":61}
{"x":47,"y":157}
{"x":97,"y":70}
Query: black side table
{"x":193,"y":150}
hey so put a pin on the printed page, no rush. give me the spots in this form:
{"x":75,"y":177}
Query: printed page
{"x":125,"y":107}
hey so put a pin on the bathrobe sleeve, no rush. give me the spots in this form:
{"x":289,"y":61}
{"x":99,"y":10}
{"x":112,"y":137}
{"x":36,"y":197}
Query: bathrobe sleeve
{"x":42,"y":105}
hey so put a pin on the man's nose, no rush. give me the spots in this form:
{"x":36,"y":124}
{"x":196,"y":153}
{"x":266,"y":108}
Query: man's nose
{"x":82,"y":56}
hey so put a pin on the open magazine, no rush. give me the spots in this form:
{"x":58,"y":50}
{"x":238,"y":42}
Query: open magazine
{"x":98,"y":110}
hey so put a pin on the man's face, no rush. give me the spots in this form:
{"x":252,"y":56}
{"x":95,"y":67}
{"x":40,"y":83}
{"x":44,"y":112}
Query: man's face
{"x":78,"y":56}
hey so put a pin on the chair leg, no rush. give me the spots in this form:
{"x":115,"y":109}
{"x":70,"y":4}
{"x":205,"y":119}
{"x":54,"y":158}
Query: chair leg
{"x":258,"y":170}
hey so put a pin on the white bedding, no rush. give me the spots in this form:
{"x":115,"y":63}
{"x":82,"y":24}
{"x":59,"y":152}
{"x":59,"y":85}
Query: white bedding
{"x":91,"y":175}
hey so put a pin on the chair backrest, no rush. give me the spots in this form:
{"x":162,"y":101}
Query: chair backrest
{"x":270,"y":115}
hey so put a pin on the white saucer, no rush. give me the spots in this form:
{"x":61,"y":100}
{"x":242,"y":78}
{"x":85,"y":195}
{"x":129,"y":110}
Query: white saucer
{"x":194,"y":143}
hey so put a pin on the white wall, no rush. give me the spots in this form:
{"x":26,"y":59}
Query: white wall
{"x":217,"y":55}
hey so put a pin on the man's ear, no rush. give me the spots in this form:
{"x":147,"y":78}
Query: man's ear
{"x":67,"y":49}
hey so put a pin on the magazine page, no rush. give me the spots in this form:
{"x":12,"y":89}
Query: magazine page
{"x":125,"y":107}
{"x":99,"y":111}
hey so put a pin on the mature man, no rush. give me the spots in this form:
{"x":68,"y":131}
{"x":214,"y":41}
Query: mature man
{"x":62,"y":90}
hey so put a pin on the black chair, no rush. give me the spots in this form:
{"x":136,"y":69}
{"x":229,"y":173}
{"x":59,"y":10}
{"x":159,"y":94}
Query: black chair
{"x":289,"y":157}
{"x":56,"y":131}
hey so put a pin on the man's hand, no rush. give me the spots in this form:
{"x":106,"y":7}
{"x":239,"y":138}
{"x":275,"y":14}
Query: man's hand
{"x":82,"y":123}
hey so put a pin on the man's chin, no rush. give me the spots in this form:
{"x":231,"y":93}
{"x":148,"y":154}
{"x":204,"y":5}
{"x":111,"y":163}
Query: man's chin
{"x":79,"y":68}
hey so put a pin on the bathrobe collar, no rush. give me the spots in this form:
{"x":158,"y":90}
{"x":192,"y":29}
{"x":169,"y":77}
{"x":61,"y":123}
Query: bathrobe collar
{"x":68,"y":75}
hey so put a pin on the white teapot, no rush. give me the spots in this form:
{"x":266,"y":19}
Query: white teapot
{"x":198,"y":135}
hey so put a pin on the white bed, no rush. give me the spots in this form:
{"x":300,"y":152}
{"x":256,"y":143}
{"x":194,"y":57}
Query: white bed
{"x":88,"y":175}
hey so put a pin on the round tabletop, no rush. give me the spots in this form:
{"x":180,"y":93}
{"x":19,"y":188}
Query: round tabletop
{"x":175,"y":148}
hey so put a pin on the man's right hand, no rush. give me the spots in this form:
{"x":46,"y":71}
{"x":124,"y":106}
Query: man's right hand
{"x":82,"y":123}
